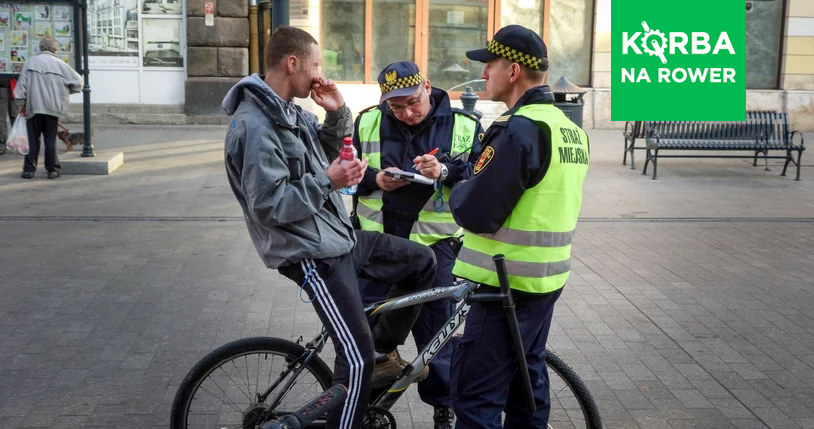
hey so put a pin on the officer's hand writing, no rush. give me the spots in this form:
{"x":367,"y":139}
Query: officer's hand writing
{"x":346,"y":174}
{"x":387,"y":183}
{"x":428,"y":165}
{"x":326,"y":95}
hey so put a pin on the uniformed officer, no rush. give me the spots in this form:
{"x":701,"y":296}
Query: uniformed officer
{"x":522,"y":201}
{"x":415,"y":129}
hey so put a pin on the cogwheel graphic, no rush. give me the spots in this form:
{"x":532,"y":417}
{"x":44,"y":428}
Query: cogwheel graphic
{"x":651,"y":45}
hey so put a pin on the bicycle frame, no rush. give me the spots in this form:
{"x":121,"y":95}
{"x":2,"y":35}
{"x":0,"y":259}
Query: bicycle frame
{"x":458,"y":291}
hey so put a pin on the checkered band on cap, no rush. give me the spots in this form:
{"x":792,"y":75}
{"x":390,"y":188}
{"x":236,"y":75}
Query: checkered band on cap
{"x":404,"y":82}
{"x":514,"y":55}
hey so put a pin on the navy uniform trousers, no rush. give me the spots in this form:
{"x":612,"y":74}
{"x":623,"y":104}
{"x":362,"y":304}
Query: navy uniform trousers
{"x":434,"y":390}
{"x":331,"y":284}
{"x":485,"y":381}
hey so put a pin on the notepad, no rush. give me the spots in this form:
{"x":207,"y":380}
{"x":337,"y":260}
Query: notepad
{"x":412,"y":177}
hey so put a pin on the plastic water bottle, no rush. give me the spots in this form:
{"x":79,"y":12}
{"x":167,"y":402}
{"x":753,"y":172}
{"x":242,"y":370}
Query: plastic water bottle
{"x":348,"y":154}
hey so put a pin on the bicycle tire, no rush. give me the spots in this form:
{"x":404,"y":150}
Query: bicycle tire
{"x":238,"y":367}
{"x":568,"y":393}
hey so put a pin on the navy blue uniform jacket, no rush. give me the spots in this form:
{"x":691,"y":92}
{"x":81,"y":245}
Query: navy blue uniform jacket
{"x":401,"y":143}
{"x":522,"y":154}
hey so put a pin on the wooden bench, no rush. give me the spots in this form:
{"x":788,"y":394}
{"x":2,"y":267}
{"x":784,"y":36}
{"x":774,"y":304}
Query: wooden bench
{"x":761,"y":132}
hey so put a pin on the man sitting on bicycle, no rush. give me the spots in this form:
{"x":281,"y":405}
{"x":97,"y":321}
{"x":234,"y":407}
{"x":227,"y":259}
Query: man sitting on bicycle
{"x":532,"y":168}
{"x":279,"y":172}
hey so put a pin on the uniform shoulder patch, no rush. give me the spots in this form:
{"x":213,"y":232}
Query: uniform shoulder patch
{"x":485,"y":158}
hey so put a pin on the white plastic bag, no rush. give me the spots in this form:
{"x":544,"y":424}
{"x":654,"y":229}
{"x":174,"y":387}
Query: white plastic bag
{"x":18,"y":136}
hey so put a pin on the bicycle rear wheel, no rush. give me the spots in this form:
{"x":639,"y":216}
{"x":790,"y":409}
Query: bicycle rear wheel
{"x":223,"y":389}
{"x":572,"y":406}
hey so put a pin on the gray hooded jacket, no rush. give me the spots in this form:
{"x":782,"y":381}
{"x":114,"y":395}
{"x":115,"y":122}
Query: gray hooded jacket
{"x":275,"y":160}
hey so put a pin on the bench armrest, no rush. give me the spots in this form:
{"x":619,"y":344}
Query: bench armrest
{"x":802,"y":140}
{"x":628,"y":132}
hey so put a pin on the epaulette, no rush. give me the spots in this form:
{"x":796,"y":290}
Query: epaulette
{"x":501,"y":121}
{"x":466,"y":113}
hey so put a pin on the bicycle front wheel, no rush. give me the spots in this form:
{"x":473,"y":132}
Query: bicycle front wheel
{"x":572,"y":406}
{"x":226,"y":388}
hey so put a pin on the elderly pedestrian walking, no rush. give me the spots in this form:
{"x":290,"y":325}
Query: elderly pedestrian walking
{"x":42,"y":96}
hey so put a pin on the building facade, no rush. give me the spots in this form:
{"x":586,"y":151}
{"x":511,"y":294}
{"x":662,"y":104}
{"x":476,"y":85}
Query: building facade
{"x":166,"y":52}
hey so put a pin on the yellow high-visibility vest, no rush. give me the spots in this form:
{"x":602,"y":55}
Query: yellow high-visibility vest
{"x":536,"y":237}
{"x":431,"y":226}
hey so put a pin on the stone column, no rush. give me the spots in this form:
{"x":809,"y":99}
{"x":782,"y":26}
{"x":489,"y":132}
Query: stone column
{"x":598,"y":101}
{"x":218,"y":56}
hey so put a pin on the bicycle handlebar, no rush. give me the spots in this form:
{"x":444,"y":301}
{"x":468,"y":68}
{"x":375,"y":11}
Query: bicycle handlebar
{"x":324,"y":402}
{"x":484,"y":297}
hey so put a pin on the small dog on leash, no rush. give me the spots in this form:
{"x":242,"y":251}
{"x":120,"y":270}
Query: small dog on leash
{"x":71,"y":139}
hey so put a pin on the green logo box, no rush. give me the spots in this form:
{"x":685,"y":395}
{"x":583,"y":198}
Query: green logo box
{"x":687,"y":62}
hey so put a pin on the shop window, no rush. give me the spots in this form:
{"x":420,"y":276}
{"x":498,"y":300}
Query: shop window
{"x":361,"y":37}
{"x":454,"y":28}
{"x":343,"y":39}
{"x":763,"y":31}
{"x":393,"y":33}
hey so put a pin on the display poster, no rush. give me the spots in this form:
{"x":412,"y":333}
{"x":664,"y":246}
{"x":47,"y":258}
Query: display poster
{"x":22,"y":25}
{"x":128,"y":34}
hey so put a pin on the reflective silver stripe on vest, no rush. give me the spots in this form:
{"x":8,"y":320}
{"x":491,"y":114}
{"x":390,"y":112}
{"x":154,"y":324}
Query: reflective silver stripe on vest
{"x":368,"y":213}
{"x":370,"y":147}
{"x":515,"y":268}
{"x":435,"y":228}
{"x":531,"y":238}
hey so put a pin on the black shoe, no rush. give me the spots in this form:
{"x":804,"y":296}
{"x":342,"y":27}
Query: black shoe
{"x":53,"y":174}
{"x":27,"y":175}
{"x":443,"y":418}
{"x":2,"y":148}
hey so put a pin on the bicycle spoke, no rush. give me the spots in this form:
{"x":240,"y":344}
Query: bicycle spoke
{"x":234,"y":405}
{"x":237,"y":370}
{"x":227,"y":397}
{"x":238,"y":386}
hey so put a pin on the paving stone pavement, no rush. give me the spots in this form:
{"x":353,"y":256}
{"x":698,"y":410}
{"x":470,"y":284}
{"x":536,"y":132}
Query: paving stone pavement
{"x":691,"y":302}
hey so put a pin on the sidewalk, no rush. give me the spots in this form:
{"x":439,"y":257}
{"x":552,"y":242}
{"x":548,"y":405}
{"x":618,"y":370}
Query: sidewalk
{"x":690,"y":302}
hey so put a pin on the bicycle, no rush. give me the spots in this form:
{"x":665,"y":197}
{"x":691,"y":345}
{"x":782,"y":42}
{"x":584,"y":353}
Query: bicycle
{"x":233,"y":393}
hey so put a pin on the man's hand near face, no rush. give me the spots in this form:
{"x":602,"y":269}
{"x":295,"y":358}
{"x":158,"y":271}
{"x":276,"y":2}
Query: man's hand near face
{"x":326,"y":95}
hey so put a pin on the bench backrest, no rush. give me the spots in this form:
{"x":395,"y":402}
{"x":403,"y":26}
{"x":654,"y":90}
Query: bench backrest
{"x":767,"y":127}
{"x":778,"y":133}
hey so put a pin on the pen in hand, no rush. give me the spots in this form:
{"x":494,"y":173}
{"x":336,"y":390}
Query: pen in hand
{"x":432,"y":152}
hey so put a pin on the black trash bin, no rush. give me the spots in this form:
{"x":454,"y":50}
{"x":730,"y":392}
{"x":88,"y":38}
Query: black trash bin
{"x":568,"y":97}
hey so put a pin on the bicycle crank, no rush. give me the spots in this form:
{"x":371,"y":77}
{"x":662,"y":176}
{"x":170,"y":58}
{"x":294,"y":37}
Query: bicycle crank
{"x":378,"y":418}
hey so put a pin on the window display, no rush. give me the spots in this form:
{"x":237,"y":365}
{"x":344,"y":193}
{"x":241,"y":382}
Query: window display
{"x":22,"y":25}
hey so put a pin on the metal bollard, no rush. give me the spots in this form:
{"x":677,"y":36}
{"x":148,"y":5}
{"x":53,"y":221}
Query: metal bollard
{"x":468,"y":99}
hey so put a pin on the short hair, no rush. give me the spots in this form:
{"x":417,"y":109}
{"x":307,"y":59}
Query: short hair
{"x":537,"y":75}
{"x":49,"y":44}
{"x":285,"y":41}
{"x":531,"y":74}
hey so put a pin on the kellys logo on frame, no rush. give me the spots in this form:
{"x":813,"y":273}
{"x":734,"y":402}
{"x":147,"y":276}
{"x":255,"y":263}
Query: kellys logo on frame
{"x":678,"y":61}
